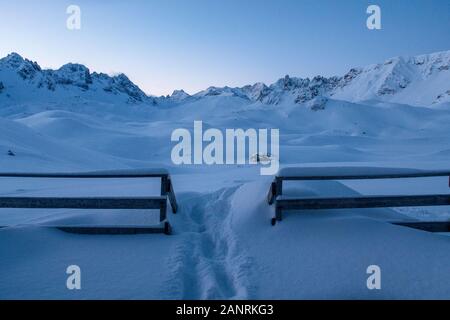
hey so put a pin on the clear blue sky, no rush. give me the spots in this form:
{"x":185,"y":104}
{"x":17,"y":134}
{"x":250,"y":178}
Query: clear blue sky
{"x":164,"y":45}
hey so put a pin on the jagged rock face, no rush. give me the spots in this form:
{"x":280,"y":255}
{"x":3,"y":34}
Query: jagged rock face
{"x":292,"y":89}
{"x":433,"y":63}
{"x":318,"y":86}
{"x":297,"y":89}
{"x":121,"y":83}
{"x":225,"y":91}
{"x":28,"y":70}
{"x":439,"y":99}
{"x":75,"y":76}
{"x":256,"y":92}
{"x":349,"y":76}
{"x":13,"y":60}
{"x":317,"y":104}
{"x":212,"y":91}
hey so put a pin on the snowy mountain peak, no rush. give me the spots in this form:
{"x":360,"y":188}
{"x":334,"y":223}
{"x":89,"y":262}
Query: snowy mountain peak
{"x":179,"y":95}
{"x":420,"y":80}
{"x":26,"y":69}
{"x":256,"y":92}
{"x":122,"y":84}
{"x":222,"y":91}
{"x":22,"y":79}
{"x":13,"y":60}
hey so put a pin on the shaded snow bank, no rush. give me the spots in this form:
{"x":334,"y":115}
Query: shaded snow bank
{"x":325,"y":254}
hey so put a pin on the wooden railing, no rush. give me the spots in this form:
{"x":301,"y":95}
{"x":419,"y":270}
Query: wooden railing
{"x":155,"y":202}
{"x":283,"y":203}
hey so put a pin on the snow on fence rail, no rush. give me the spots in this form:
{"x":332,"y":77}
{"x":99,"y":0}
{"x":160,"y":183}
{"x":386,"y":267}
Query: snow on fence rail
{"x":157,"y":202}
{"x":357,"y":173}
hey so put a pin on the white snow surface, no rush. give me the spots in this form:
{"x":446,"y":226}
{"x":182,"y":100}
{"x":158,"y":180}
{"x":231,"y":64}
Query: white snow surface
{"x":390,"y":115}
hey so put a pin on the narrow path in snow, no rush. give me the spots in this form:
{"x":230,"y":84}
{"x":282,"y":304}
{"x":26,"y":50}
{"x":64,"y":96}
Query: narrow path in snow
{"x":207,"y":263}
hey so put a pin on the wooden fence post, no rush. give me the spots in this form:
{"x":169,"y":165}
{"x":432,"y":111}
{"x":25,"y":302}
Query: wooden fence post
{"x":171,"y":194}
{"x":279,"y":186}
{"x":163,"y":211}
{"x":164,"y":183}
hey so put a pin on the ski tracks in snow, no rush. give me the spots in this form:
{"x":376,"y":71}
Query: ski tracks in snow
{"x":208,"y":262}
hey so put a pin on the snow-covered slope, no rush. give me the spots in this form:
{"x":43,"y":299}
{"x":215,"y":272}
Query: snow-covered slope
{"x":23,"y":148}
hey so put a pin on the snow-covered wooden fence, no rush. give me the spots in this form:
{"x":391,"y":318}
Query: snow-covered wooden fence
{"x":154,"y":202}
{"x":283,"y":203}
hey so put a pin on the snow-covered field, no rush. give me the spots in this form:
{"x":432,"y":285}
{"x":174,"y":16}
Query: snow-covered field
{"x":394,"y":114}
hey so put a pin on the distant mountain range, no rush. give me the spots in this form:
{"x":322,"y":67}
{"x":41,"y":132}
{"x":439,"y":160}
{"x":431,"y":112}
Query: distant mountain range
{"x":419,"y":81}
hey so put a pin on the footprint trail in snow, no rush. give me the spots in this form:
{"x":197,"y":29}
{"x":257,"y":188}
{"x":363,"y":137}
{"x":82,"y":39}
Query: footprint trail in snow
{"x":208,"y":263}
